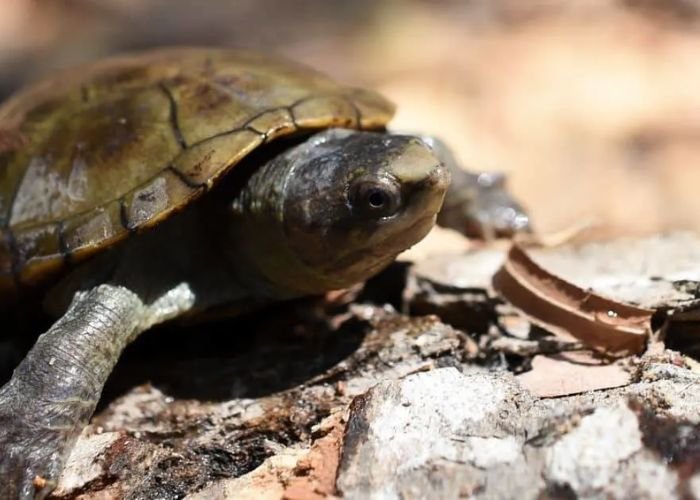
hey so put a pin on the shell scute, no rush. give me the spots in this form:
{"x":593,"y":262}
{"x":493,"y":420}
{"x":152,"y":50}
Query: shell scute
{"x":118,"y":145}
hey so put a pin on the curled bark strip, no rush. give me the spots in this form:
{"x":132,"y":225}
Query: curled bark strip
{"x":612,"y":328}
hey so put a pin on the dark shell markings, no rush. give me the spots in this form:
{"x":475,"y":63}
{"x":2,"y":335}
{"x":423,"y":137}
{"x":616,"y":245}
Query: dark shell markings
{"x":88,"y":157}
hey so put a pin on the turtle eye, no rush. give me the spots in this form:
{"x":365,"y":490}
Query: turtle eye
{"x":374,"y":198}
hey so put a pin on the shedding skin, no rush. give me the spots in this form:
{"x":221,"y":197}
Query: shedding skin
{"x":55,"y":389}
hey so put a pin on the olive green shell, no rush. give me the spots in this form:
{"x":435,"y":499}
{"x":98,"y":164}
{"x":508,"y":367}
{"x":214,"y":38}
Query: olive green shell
{"x":93,"y":154}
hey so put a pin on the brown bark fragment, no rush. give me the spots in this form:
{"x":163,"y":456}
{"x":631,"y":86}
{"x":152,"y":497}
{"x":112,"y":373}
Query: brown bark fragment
{"x":608,"y":326}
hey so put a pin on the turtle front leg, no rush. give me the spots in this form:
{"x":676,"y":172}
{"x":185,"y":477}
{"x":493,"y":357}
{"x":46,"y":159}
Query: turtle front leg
{"x":54,"y":390}
{"x":477,"y":204}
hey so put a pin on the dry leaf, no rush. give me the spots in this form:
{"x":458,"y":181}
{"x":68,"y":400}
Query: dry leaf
{"x":571,"y":373}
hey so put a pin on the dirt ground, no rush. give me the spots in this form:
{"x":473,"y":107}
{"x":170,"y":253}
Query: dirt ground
{"x":591,"y":107}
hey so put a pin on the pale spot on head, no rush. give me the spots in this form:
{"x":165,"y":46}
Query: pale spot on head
{"x":413,"y":164}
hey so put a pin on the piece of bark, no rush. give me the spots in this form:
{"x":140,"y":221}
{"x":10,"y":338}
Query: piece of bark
{"x":658,"y":273}
{"x":457,"y":288}
{"x":614,"y":328}
{"x":293,"y":474}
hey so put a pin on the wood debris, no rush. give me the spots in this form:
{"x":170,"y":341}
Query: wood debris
{"x":606,"y":325}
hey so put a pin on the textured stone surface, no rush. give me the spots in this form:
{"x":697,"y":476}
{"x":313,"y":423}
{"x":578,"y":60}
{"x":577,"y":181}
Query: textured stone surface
{"x":432,"y":432}
{"x":444,"y":434}
{"x":263,"y":423}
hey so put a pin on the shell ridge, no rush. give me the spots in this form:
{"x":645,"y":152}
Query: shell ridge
{"x":174,"y":120}
{"x":170,"y":166}
{"x":183,"y":177}
{"x":124,"y":216}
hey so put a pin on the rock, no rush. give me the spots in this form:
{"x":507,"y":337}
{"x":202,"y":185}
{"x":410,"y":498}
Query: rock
{"x":432,"y":435}
{"x":444,"y":434}
{"x":82,"y":468}
{"x":603,"y":457}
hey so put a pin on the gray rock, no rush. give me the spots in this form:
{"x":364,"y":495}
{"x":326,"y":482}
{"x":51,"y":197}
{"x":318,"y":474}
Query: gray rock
{"x":444,"y":434}
{"x":439,"y":434}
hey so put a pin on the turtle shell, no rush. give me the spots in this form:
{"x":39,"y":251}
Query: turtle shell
{"x":93,"y":154}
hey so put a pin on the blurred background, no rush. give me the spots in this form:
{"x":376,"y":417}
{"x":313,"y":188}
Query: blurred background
{"x":591,"y":106}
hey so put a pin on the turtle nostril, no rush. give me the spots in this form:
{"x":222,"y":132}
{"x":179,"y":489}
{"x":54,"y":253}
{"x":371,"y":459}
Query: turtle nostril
{"x":439,"y":177}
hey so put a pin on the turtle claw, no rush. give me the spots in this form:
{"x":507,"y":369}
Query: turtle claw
{"x":19,"y":482}
{"x":492,"y":212}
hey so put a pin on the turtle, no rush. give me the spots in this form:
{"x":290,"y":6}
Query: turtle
{"x":158,"y":185}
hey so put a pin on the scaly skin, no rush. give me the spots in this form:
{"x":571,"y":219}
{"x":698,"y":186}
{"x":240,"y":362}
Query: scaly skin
{"x":54,"y":391}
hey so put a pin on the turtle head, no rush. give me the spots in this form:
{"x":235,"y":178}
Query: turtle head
{"x":344,"y":205}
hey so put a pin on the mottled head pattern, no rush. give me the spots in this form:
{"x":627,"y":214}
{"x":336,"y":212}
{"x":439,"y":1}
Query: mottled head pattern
{"x":339,"y":207}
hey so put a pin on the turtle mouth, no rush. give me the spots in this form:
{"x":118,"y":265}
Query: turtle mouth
{"x":380,"y":253}
{"x":405,"y":238}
